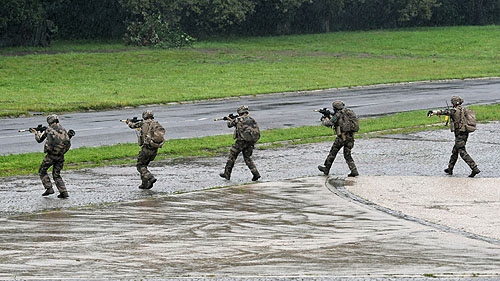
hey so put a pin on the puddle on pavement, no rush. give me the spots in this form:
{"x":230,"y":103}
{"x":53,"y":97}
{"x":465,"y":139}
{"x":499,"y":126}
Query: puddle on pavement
{"x":270,"y":229}
{"x":290,"y":228}
{"x":373,"y":157}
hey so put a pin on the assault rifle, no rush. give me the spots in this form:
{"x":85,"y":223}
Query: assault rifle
{"x":133,"y":120}
{"x":327,"y":114}
{"x":230,"y":116}
{"x":40,"y":129}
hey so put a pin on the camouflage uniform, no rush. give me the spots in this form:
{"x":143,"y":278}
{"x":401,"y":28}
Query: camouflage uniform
{"x":54,"y":158}
{"x":343,"y":139}
{"x":147,"y":153}
{"x":241,"y":145}
{"x":461,"y":136}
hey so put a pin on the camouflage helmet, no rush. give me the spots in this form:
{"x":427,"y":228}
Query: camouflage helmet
{"x":338,"y":105}
{"x":148,"y":114}
{"x":242,"y":109}
{"x":52,"y":118}
{"x":456,"y":100}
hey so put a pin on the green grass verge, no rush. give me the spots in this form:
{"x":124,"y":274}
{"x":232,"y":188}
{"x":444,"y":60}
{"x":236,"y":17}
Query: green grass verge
{"x":28,"y":163}
{"x":75,"y":81}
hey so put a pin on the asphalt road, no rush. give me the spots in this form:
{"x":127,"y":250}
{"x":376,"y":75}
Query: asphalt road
{"x":189,"y":120}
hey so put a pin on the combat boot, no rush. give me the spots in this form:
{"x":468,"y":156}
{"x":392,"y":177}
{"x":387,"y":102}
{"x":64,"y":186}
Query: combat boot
{"x":150,"y":183}
{"x":63,"y":194}
{"x":449,"y":171}
{"x":256,"y":175}
{"x":225,"y":176}
{"x":474,"y":172}
{"x":354,"y":173}
{"x":324,"y":169}
{"x":144,"y":183}
{"x":48,"y":191}
{"x":227,"y":172}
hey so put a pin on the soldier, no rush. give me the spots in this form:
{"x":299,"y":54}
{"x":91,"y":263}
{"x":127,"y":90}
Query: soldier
{"x":150,"y":139}
{"x":246,"y":133}
{"x":344,"y":123}
{"x":57,"y":144}
{"x":456,"y":114}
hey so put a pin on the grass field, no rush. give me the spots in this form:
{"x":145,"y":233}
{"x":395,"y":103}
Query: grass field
{"x":206,"y":146}
{"x":88,"y":75}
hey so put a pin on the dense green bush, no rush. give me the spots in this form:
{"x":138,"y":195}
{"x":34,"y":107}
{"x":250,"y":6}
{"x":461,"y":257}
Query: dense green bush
{"x":466,"y":12}
{"x":19,"y":20}
{"x":84,"y":19}
{"x":371,"y":14}
{"x":207,"y":17}
{"x":273,"y":16}
{"x":149,"y":22}
{"x":155,"y":32}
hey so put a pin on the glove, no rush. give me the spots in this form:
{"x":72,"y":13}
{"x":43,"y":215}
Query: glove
{"x":429,"y":113}
{"x":71,"y":133}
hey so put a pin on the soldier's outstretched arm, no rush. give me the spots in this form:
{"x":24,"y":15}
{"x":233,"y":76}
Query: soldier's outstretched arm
{"x":134,"y":125}
{"x":39,"y":137}
{"x":231,"y":123}
{"x":447,"y":112}
{"x":328,"y":123}
{"x":332,"y":121}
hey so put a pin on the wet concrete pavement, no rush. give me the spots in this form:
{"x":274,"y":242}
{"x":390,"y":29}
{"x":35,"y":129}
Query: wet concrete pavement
{"x":416,"y":154}
{"x":271,"y":110}
{"x":295,"y":224}
{"x":468,"y":205}
{"x":287,"y":228}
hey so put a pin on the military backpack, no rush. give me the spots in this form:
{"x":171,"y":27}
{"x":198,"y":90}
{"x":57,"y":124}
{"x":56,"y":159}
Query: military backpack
{"x":153,"y":134}
{"x":349,"y":120}
{"x":58,"y":140}
{"x":248,"y":129}
{"x":468,"y":120}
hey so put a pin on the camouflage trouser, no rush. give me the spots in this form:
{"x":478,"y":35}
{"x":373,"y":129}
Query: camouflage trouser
{"x":146,"y":155}
{"x":247,"y":149}
{"x":348,"y":144}
{"x":459,"y":148}
{"x":57,"y":163}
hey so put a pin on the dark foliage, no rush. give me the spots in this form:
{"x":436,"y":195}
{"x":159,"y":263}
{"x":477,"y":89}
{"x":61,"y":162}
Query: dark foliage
{"x":19,"y":20}
{"x":86,"y":19}
{"x":29,"y":22}
{"x":155,"y":32}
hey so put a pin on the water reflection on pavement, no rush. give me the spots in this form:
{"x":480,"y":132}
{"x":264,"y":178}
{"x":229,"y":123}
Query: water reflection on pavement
{"x":416,"y":154}
{"x":289,"y":228}
{"x":292,"y":226}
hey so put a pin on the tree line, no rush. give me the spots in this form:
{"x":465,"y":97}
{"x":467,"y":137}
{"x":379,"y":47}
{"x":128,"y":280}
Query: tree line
{"x":174,"y":23}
